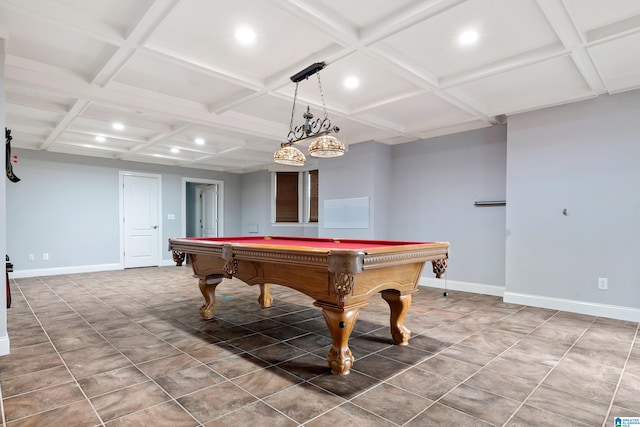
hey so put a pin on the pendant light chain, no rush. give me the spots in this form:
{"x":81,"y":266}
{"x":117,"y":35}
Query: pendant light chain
{"x":293,"y":110}
{"x":324,"y":106}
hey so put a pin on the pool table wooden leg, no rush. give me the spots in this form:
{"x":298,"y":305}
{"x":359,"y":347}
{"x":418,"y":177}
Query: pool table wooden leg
{"x":208,"y":288}
{"x":340,"y":323}
{"x":399,"y":305}
{"x":265,"y":299}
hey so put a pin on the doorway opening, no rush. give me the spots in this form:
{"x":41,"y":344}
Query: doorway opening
{"x":202,"y":207}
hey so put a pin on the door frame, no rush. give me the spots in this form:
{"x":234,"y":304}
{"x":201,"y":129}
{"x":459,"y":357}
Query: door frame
{"x":121,"y":175}
{"x":220,"y":185}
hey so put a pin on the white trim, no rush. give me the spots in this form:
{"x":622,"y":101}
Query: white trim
{"x":5,"y":346}
{"x":220,"y":185}
{"x":160,"y":248}
{"x":454,"y":285}
{"x":56,"y":271}
{"x":302,"y":194}
{"x":272,"y":197}
{"x":20,"y":274}
{"x":294,"y":224}
{"x":630,"y":314}
{"x":167,"y":263}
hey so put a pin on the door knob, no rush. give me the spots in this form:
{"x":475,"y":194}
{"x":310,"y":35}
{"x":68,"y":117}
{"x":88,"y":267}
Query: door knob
{"x":154,"y":227}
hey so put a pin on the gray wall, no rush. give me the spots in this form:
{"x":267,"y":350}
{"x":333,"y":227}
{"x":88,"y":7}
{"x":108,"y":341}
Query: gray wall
{"x":362,"y":172}
{"x":256,"y":209}
{"x":584,"y":157}
{"x":256,"y":202}
{"x":435,"y":183}
{"x":68,"y":210}
{"x":417,"y":191}
{"x":383,"y":209}
{"x":68,"y":207}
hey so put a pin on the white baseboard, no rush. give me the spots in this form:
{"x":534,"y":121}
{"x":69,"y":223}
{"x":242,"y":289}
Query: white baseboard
{"x":4,"y":345}
{"x":20,"y":274}
{"x":455,"y":285}
{"x":583,"y":307}
{"x":630,"y":314}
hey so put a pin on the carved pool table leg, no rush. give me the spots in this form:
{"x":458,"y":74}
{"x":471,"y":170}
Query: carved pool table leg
{"x":178,"y":258}
{"x":208,"y":288}
{"x":399,"y":305}
{"x":340,"y":325}
{"x":265,"y":298}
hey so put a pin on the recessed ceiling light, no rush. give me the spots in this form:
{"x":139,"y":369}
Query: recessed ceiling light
{"x":468,"y":37}
{"x":118,"y":126}
{"x":199,"y":141}
{"x":245,"y":35}
{"x":175,"y":150}
{"x":351,"y":82}
{"x":100,"y":138}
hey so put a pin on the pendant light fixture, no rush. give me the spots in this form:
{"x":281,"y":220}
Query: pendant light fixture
{"x":324,"y":144}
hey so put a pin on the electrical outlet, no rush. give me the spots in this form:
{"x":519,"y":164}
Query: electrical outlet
{"x":32,"y":257}
{"x":603,"y":283}
{"x":45,"y":256}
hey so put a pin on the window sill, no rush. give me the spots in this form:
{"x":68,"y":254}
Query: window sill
{"x":295,"y":224}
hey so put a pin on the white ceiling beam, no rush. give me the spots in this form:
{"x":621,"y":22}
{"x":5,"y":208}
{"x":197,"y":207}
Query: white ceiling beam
{"x":613,"y":31}
{"x":69,"y":17}
{"x":205,"y":67}
{"x":311,"y":12}
{"x":404,"y":18}
{"x":77,"y":109}
{"x":140,"y":33}
{"x":158,"y":138}
{"x":511,"y":63}
{"x":141,"y":100}
{"x":275,"y":82}
{"x":561,"y":22}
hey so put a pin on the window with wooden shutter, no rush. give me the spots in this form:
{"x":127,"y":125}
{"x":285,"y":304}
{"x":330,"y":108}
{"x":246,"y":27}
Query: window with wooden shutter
{"x":295,"y":197}
{"x":287,"y":196}
{"x":313,"y":196}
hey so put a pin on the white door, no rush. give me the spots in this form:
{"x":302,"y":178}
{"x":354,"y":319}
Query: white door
{"x":209,"y":207}
{"x":141,"y":221}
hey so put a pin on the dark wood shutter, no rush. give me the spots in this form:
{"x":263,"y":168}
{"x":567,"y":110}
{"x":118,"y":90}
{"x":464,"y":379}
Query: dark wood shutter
{"x":313,"y":196}
{"x":286,"y":196}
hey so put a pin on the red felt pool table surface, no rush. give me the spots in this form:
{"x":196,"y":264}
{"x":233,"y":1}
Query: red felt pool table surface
{"x":309,"y":242}
{"x":339,"y":274}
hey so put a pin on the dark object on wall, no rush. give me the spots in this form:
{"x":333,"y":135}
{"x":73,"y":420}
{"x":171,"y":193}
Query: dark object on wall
{"x":491,"y":203}
{"x":7,"y":161}
{"x":9,"y":270}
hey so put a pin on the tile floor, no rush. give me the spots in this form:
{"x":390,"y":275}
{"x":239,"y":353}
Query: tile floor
{"x":128,"y":348}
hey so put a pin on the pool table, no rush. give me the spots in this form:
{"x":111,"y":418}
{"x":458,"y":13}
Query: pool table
{"x":339,"y":274}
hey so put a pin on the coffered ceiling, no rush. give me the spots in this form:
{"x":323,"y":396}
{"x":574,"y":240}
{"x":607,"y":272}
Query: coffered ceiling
{"x":173,"y":71}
